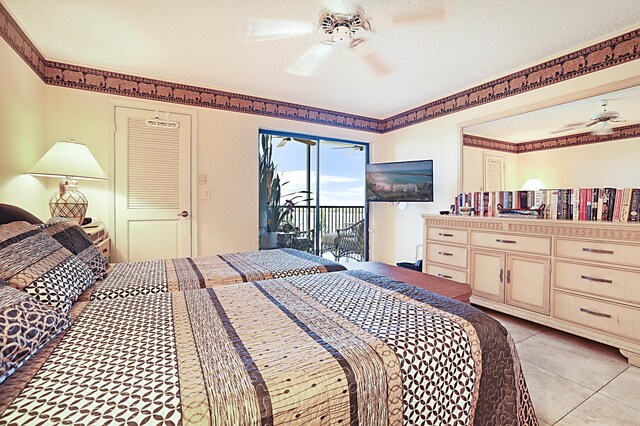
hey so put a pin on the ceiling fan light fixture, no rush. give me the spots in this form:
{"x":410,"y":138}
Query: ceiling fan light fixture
{"x":603,"y":128}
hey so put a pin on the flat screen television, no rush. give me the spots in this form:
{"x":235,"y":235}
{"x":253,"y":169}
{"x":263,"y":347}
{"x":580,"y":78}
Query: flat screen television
{"x":403,"y":181}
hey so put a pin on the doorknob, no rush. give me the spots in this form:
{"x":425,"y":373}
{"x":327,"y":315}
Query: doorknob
{"x":184,"y":213}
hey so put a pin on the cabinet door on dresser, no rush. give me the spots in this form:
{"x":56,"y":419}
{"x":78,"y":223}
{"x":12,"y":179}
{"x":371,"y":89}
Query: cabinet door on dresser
{"x":528,"y":281}
{"x":487,"y":274}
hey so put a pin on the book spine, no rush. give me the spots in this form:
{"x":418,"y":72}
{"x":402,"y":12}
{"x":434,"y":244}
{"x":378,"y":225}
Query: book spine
{"x":634,"y":205}
{"x":566,"y":214}
{"x":485,"y":204}
{"x":522,"y":195}
{"x":594,"y":203}
{"x":589,"y":197}
{"x":626,"y":200}
{"x":553,"y":205}
{"x":575,"y":204}
{"x":617,"y":209}
{"x":582,"y":210}
{"x":601,"y":192}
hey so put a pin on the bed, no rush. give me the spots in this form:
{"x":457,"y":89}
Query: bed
{"x":163,"y":276}
{"x":334,"y":348}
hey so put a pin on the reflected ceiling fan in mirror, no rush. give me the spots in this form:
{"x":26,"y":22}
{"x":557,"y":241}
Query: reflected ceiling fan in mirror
{"x":602,"y":121}
{"x":346,"y":24}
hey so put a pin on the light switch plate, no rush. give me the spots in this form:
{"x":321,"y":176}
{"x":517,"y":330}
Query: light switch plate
{"x":202,"y":179}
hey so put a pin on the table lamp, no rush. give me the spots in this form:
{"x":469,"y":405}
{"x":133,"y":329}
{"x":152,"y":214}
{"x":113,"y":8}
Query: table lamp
{"x":70,"y":161}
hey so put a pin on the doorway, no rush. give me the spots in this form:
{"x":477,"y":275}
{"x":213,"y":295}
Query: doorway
{"x":153,"y":202}
{"x":319,"y":195}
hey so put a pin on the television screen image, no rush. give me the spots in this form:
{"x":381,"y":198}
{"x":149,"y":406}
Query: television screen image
{"x":406,"y":181}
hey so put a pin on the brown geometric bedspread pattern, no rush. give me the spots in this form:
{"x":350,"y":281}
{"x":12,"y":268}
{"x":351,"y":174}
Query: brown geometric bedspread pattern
{"x":162,"y":276}
{"x":341,"y":348}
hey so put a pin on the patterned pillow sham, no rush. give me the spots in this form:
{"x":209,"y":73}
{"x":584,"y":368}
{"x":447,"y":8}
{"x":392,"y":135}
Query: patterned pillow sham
{"x":25,"y":326}
{"x":73,"y":238}
{"x":32,"y":261}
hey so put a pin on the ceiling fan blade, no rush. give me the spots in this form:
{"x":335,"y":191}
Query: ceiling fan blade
{"x":283,"y":142}
{"x":274,"y":29}
{"x":371,"y":58}
{"x":312,"y":62}
{"x":344,"y":7}
{"x":570,"y":126}
{"x":305,"y":141}
{"x":591,"y":123}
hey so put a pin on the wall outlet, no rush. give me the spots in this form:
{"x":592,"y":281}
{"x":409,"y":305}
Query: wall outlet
{"x":206,"y":194}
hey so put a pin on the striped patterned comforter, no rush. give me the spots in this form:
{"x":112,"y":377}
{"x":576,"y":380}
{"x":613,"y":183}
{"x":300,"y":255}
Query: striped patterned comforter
{"x":164,"y":276}
{"x":338,"y":348}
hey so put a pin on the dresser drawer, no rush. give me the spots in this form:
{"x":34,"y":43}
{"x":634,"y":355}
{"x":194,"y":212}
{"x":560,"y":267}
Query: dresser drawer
{"x":447,"y":273}
{"x":607,"y":317}
{"x":457,"y":236}
{"x":621,"y":254}
{"x":600,"y":281}
{"x":521,"y":243}
{"x":448,"y":255}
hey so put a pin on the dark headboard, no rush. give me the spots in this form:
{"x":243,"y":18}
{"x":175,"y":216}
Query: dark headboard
{"x":9,"y":213}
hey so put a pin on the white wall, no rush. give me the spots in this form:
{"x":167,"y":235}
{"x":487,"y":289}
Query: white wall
{"x":227,"y":152}
{"x":22,"y":133}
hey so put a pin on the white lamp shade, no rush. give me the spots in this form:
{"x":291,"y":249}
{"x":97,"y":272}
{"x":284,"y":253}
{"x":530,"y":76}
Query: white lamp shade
{"x":69,"y":159}
{"x":532,"y":184}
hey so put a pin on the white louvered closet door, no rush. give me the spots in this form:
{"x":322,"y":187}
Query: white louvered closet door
{"x":153,"y":186}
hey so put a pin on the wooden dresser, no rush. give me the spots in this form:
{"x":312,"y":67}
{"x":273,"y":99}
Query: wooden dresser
{"x":579,"y":277}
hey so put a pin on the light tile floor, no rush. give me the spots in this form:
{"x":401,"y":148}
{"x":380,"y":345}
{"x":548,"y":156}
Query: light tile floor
{"x":574,"y":381}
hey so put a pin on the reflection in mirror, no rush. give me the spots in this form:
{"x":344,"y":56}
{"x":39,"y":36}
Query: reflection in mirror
{"x":592,"y":142}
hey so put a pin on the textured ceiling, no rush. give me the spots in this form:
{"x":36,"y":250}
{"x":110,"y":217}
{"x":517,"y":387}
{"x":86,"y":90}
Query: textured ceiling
{"x":539,"y":124}
{"x":201,"y":42}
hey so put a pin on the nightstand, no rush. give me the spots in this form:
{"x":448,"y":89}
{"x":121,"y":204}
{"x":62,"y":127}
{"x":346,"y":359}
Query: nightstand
{"x":104,"y":247}
{"x":98,"y":234}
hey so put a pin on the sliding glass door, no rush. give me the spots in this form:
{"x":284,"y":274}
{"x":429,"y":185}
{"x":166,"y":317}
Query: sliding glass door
{"x":312,"y":195}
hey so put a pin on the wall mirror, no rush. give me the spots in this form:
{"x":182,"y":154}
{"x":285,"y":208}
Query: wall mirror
{"x":591,"y":142}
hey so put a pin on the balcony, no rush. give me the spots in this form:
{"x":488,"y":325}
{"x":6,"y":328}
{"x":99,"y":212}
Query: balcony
{"x":332,"y":219}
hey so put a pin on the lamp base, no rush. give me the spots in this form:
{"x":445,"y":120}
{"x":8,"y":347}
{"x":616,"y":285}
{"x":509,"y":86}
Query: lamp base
{"x":69,"y":202}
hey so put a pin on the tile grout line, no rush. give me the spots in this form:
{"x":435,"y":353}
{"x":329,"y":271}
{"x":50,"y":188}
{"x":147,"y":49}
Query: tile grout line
{"x":591,"y":396}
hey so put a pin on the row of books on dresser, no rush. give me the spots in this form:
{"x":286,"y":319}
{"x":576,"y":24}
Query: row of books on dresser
{"x":599,"y":204}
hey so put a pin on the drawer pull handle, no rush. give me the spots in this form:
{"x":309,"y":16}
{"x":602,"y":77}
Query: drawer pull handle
{"x":598,"y":314}
{"x":598,"y":251}
{"x":445,"y":235}
{"x":444,"y":253}
{"x":505,"y":241}
{"x":508,"y":276}
{"x":597,"y":280}
{"x":501,"y":275}
{"x":445,"y":276}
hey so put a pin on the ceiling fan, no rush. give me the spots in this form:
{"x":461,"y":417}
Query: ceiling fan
{"x":601,"y":120}
{"x":284,"y":141}
{"x":346,"y":25}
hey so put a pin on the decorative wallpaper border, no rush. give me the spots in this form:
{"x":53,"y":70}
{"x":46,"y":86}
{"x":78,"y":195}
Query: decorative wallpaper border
{"x":623,"y":132}
{"x":487,"y":143}
{"x":614,"y":51}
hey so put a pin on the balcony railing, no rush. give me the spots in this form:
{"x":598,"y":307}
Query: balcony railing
{"x":332,"y":218}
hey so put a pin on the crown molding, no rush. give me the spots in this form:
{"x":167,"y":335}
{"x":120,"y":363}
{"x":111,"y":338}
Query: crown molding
{"x":608,"y":53}
{"x":623,"y":132}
